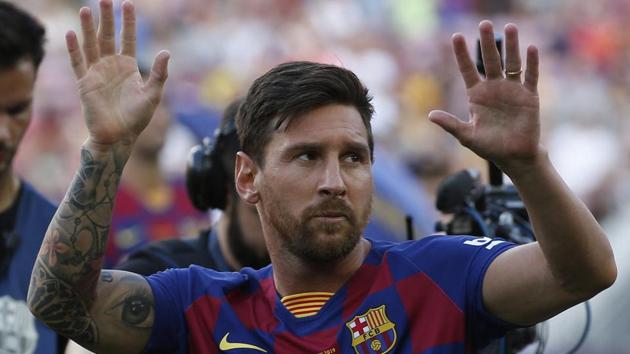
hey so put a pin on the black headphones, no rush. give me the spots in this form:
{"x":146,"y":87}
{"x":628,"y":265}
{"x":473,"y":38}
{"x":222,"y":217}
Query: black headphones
{"x":206,"y":178}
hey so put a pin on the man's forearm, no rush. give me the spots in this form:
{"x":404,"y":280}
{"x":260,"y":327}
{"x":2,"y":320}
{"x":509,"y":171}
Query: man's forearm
{"x":64,"y":277}
{"x":574,"y":244}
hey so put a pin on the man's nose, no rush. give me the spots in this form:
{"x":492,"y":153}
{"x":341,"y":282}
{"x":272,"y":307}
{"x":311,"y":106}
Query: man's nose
{"x":332,"y":182}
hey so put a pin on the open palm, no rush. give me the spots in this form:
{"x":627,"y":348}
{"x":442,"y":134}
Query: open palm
{"x":117,"y":103}
{"x":504,"y":122}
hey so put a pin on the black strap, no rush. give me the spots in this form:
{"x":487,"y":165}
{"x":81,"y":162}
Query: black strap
{"x":174,"y":253}
{"x":9,"y":239}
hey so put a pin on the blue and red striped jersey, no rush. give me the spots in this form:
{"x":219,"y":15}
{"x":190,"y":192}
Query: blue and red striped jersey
{"x":421,"y":296}
{"x":135,"y":222}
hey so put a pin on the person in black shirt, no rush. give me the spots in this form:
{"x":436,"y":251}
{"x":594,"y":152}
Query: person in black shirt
{"x":235,"y":241}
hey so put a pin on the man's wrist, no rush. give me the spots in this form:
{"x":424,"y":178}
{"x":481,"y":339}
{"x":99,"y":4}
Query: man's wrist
{"x":99,"y":151}
{"x":524,"y":169}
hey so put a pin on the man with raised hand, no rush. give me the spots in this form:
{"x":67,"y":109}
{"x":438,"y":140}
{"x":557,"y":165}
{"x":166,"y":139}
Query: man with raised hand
{"x":103,"y":311}
{"x":307,"y":151}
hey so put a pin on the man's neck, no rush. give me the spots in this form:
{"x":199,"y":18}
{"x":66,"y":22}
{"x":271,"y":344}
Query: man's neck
{"x":293,"y":276}
{"x":9,"y":187}
{"x":224,"y":244}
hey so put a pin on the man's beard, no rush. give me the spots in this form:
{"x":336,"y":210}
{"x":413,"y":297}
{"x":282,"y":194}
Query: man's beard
{"x":244,"y":254}
{"x":300,"y":235}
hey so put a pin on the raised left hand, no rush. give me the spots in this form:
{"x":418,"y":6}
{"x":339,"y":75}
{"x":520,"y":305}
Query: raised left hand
{"x":504,"y":123}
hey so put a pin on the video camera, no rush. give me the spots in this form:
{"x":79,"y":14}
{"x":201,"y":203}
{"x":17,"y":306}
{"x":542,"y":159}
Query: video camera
{"x":482,"y":210}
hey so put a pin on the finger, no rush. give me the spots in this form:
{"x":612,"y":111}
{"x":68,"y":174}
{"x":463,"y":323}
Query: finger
{"x":512,"y":55}
{"x":159,"y":74}
{"x":128,"y":32}
{"x":531,"y":72}
{"x":449,"y":122}
{"x":464,"y":62}
{"x":90,"y":48}
{"x":489,"y":52}
{"x":76,"y":58}
{"x":106,"y":39}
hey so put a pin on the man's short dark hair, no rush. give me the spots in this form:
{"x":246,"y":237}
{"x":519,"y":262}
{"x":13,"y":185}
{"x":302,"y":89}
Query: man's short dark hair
{"x":21,"y":36}
{"x":230,"y":144}
{"x":292,"y":89}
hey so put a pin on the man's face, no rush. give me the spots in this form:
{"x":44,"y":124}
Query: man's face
{"x":316,"y":184}
{"x":153,"y":137}
{"x":16,"y":96}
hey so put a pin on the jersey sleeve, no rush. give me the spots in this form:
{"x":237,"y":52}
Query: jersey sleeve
{"x":168,"y":334}
{"x":458,"y":264}
{"x":482,"y":323}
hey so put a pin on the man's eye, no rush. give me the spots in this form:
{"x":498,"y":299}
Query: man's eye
{"x":352,"y":157}
{"x":17,"y":109}
{"x":306,"y":156}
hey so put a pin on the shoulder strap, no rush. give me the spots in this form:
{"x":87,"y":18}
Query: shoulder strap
{"x":176,"y":253}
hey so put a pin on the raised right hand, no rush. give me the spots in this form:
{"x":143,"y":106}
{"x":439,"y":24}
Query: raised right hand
{"x":117,"y":104}
{"x":504,"y":122}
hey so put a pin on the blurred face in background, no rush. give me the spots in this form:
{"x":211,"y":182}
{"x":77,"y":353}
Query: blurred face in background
{"x":151,"y":141}
{"x":16,"y":97}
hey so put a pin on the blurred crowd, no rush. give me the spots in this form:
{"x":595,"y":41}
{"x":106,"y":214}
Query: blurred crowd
{"x":401,"y":50}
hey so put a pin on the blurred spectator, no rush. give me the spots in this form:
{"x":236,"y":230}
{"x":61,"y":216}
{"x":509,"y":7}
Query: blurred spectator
{"x":150,"y":204}
{"x":24,"y":212}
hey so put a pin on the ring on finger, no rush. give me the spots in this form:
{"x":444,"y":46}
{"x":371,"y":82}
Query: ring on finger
{"x":514,"y":74}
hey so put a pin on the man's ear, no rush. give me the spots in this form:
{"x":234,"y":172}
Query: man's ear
{"x":245,"y":171}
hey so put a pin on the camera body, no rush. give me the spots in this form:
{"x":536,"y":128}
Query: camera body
{"x":482,"y":210}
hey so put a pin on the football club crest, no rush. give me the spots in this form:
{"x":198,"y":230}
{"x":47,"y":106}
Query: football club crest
{"x":372,"y":332}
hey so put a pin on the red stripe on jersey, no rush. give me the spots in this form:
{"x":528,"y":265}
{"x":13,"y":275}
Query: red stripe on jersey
{"x":377,"y":276}
{"x":388,"y":340}
{"x":255,"y":311}
{"x":286,"y":342}
{"x":436,"y":318}
{"x":201,"y":317}
{"x":364,"y":348}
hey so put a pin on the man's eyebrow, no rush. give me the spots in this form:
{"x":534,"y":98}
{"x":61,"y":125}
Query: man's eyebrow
{"x":303,"y":147}
{"x":353,"y":146}
{"x":17,"y":105}
{"x":356,"y":146}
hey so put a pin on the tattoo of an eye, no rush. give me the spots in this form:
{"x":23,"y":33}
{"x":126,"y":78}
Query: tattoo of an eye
{"x":135,"y":308}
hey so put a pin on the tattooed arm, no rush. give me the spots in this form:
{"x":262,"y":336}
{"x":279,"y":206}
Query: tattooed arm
{"x":103,"y":311}
{"x":109,"y":311}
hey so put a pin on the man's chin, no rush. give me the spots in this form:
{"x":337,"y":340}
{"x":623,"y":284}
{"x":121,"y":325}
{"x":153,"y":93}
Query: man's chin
{"x":327,"y":247}
{"x":4,"y":167}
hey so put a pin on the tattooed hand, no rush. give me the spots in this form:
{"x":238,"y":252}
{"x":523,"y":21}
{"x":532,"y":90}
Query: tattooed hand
{"x":105,"y":311}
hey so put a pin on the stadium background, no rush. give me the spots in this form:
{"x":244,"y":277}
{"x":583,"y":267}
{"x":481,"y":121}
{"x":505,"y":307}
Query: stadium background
{"x":401,"y":50}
